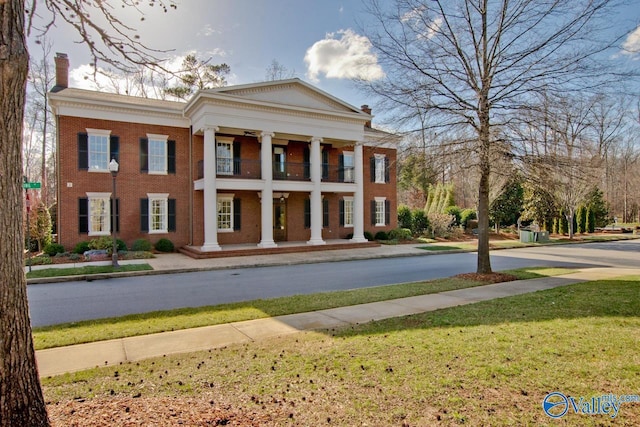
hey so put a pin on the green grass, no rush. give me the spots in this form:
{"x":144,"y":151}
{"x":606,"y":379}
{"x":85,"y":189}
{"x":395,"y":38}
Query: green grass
{"x":184,"y":318}
{"x":90,"y":269}
{"x":489,"y":363}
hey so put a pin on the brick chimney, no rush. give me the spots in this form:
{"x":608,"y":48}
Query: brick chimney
{"x":62,"y":72}
{"x":365,"y":109}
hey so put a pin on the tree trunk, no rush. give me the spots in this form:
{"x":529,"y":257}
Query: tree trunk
{"x":21,"y":400}
{"x":484,"y":261}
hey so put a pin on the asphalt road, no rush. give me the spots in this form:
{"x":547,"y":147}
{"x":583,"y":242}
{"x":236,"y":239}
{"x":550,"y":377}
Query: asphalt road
{"x":82,"y":300}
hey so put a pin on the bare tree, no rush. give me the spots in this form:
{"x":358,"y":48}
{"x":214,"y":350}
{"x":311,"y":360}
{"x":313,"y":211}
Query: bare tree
{"x":277,"y":71}
{"x":40,"y":80}
{"x":473,"y":63}
{"x":109,"y":40}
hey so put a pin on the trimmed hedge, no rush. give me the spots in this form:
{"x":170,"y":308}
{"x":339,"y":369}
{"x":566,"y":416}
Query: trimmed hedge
{"x":164,"y":245}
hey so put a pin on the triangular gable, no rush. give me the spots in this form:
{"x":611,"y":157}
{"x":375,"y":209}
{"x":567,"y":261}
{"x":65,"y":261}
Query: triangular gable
{"x":293,"y":92}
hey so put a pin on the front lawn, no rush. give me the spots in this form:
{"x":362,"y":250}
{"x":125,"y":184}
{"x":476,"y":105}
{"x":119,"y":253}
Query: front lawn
{"x":489,"y":363}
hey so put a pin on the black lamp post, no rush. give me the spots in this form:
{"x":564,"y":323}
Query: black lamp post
{"x":113,"y":168}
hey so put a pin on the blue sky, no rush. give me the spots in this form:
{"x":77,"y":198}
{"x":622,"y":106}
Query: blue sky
{"x":318,"y":39}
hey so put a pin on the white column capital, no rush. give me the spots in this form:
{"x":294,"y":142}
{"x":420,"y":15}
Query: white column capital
{"x":266,"y":134}
{"x":316,"y":139}
{"x":210,"y":128}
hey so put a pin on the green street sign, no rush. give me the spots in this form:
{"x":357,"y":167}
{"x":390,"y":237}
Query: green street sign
{"x":27,"y":185}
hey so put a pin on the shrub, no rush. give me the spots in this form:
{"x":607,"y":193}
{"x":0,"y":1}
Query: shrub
{"x":419,"y":222}
{"x":466,"y":215}
{"x":349,"y":236}
{"x":122,"y":246}
{"x":53,"y":248}
{"x":164,"y":245}
{"x":81,"y":248}
{"x":440,"y":223}
{"x":368,"y":236}
{"x":141,"y":245}
{"x":400,"y":234}
{"x":42,"y":259}
{"x":404,"y":217}
{"x":104,"y":242}
{"x":456,"y":212}
{"x":382,"y":235}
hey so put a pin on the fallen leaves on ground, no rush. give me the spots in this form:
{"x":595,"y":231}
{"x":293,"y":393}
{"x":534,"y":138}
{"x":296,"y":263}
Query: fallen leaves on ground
{"x":153,"y":411}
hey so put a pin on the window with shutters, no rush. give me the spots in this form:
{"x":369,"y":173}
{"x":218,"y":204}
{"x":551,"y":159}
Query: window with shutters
{"x":99,"y":214}
{"x":224,"y":156}
{"x":225,"y":213}
{"x":158,"y":213}
{"x":157,"y":154}
{"x":380,"y":163}
{"x":348,"y":211}
{"x":98,"y":149}
{"x":348,"y":166}
{"x":380,"y":211}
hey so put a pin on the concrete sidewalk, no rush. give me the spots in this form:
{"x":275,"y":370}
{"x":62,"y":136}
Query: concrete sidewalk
{"x":85,"y":356}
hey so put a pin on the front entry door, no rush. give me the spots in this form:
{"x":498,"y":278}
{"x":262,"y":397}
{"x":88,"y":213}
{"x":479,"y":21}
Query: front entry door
{"x":279,"y":219}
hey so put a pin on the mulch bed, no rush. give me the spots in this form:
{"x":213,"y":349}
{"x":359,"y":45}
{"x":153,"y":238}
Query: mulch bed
{"x":487,"y":277}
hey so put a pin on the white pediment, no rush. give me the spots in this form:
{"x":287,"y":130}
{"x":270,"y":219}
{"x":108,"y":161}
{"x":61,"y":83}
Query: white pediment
{"x":293,"y":93}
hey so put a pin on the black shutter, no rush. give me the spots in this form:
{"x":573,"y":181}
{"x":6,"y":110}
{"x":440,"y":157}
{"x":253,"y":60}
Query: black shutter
{"x":325,"y":164}
{"x":387,"y":212}
{"x":342,"y":212}
{"x":144,"y":215}
{"x":373,"y":212}
{"x":114,"y":148}
{"x":83,"y":151}
{"x":171,"y":156}
{"x":117,"y":220}
{"x":236,"y":159}
{"x":386,"y":169}
{"x":237,"y":214}
{"x":307,"y":213}
{"x":372,"y":168}
{"x":325,"y":212}
{"x":171,"y":208}
{"x":306,"y":160}
{"x":144,"y":155}
{"x":341,"y":168}
{"x":117,"y":215}
{"x":83,"y":215}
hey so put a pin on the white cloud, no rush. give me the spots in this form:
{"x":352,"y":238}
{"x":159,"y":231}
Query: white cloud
{"x":343,"y":55}
{"x":207,"y":31}
{"x":631,"y":45}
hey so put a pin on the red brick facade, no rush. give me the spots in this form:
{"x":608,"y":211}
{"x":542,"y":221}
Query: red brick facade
{"x":134,"y":184}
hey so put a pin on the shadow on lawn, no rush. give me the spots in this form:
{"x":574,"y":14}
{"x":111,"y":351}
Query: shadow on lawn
{"x":604,"y":298}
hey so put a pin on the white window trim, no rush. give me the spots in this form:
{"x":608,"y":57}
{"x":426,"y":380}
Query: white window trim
{"x":379,"y":157}
{"x":348,"y":199}
{"x":352,"y":171}
{"x":160,"y":138}
{"x":162,"y":197}
{"x":226,"y":197}
{"x":384,"y":214}
{"x":98,"y":196}
{"x":228,"y":141}
{"x":98,"y":132}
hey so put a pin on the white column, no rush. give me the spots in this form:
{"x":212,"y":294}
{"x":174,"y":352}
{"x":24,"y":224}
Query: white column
{"x":358,"y":197}
{"x":266,"y":240}
{"x":316,"y":193}
{"x":210,"y":192}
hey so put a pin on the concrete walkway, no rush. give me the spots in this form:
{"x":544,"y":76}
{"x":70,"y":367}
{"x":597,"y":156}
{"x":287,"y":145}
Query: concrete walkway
{"x":85,"y":356}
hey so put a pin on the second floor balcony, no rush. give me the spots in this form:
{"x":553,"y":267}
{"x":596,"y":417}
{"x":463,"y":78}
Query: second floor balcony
{"x":281,"y":171}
